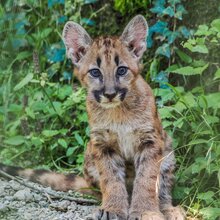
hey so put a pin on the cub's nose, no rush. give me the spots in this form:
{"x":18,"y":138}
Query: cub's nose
{"x":110,"y":95}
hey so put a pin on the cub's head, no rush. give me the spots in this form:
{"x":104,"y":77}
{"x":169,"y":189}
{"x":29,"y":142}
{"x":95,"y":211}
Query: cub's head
{"x":107,"y":66}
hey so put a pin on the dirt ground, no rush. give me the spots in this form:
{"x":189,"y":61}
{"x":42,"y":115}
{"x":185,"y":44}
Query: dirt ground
{"x":18,"y":202}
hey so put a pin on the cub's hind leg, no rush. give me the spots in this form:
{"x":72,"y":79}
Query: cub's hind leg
{"x":166,"y":182}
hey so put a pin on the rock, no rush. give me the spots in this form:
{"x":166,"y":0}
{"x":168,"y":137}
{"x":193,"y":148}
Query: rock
{"x":72,"y":207}
{"x":24,"y":195}
{"x":3,"y":208}
{"x":17,"y":186}
{"x":37,"y":197}
{"x":28,"y":216}
{"x":2,"y":190}
{"x":60,"y":206}
{"x":9,"y":198}
{"x":64,"y":204}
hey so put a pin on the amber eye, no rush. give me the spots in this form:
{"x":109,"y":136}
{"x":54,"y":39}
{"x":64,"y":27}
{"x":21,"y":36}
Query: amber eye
{"x":95,"y":73}
{"x":121,"y":71}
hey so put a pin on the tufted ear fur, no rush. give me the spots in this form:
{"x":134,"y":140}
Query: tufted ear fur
{"x":76,"y":40}
{"x":134,"y":36}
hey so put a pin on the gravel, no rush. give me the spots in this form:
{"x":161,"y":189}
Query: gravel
{"x":18,"y":202}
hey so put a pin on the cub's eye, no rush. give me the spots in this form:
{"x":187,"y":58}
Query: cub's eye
{"x":95,"y":73}
{"x":121,"y":71}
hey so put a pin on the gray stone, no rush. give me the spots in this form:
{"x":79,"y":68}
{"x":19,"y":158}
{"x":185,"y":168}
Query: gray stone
{"x":3,"y":208}
{"x":24,"y":195}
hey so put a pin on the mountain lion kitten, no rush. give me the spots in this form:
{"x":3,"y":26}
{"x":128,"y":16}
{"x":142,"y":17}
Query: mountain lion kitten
{"x":129,"y":155}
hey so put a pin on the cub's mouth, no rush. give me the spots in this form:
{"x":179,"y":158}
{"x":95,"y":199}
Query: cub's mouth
{"x":110,"y":100}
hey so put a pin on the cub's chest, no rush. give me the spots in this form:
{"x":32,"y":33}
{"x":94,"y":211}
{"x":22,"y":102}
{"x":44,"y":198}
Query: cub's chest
{"x":126,"y":142}
{"x":123,"y":137}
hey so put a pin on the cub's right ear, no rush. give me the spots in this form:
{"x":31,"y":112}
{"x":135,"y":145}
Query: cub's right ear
{"x":76,"y":40}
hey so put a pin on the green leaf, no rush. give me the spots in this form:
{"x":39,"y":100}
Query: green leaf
{"x":200,"y":49}
{"x":216,"y":24}
{"x":196,"y":45}
{"x":217,"y":74}
{"x":30,"y":112}
{"x":154,"y":68}
{"x":219,"y":178}
{"x":166,"y":123}
{"x":206,"y":196}
{"x":24,"y":81}
{"x":212,"y":119}
{"x":45,"y":33}
{"x":63,"y":143}
{"x":79,"y":139}
{"x":189,"y":70}
{"x":178,"y":123}
{"x":165,"y":113}
{"x":172,"y":68}
{"x":53,"y":146}
{"x":213,"y":100}
{"x":197,"y":141}
{"x":165,"y":94}
{"x":210,"y":213}
{"x":70,"y":151}
{"x":36,"y":141}
{"x":80,"y":159}
{"x":183,"y":56}
{"x":23,"y":55}
{"x":189,"y":100}
{"x":50,"y":133}
{"x":203,"y":30}
{"x":58,"y":107}
{"x":199,"y":165}
{"x":15,"y":141}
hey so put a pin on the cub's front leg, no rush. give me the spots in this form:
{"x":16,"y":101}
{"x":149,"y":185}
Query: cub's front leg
{"x":145,"y":202}
{"x":111,"y":169}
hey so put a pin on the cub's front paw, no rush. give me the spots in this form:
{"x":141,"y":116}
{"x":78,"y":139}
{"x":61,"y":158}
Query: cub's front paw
{"x":101,"y":214}
{"x":146,"y":216}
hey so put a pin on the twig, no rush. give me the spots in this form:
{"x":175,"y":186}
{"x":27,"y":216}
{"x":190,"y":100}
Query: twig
{"x":45,"y":193}
{"x":48,"y":197}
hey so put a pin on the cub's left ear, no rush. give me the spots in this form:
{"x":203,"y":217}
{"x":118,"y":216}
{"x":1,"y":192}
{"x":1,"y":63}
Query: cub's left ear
{"x":134,"y":36}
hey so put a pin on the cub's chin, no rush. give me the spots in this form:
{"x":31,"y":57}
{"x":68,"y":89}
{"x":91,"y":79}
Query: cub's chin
{"x":108,"y":105}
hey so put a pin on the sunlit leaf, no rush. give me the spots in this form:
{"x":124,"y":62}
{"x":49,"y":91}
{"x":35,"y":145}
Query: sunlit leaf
{"x":15,"y":141}
{"x":50,"y":133}
{"x":210,"y":212}
{"x":79,"y":139}
{"x":216,"y":24}
{"x":24,"y":81}
{"x":63,"y":143}
{"x":217,"y":74}
{"x":189,"y":70}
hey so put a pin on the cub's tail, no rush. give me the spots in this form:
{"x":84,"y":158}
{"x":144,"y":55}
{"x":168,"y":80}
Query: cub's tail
{"x":56,"y":181}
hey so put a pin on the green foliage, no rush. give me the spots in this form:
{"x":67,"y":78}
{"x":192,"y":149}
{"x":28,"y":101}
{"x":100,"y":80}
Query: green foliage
{"x":166,"y":32}
{"x":129,"y":6}
{"x":192,"y":117}
{"x":46,"y":118}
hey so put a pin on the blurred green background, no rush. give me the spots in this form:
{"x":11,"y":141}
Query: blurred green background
{"x":42,"y":106}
